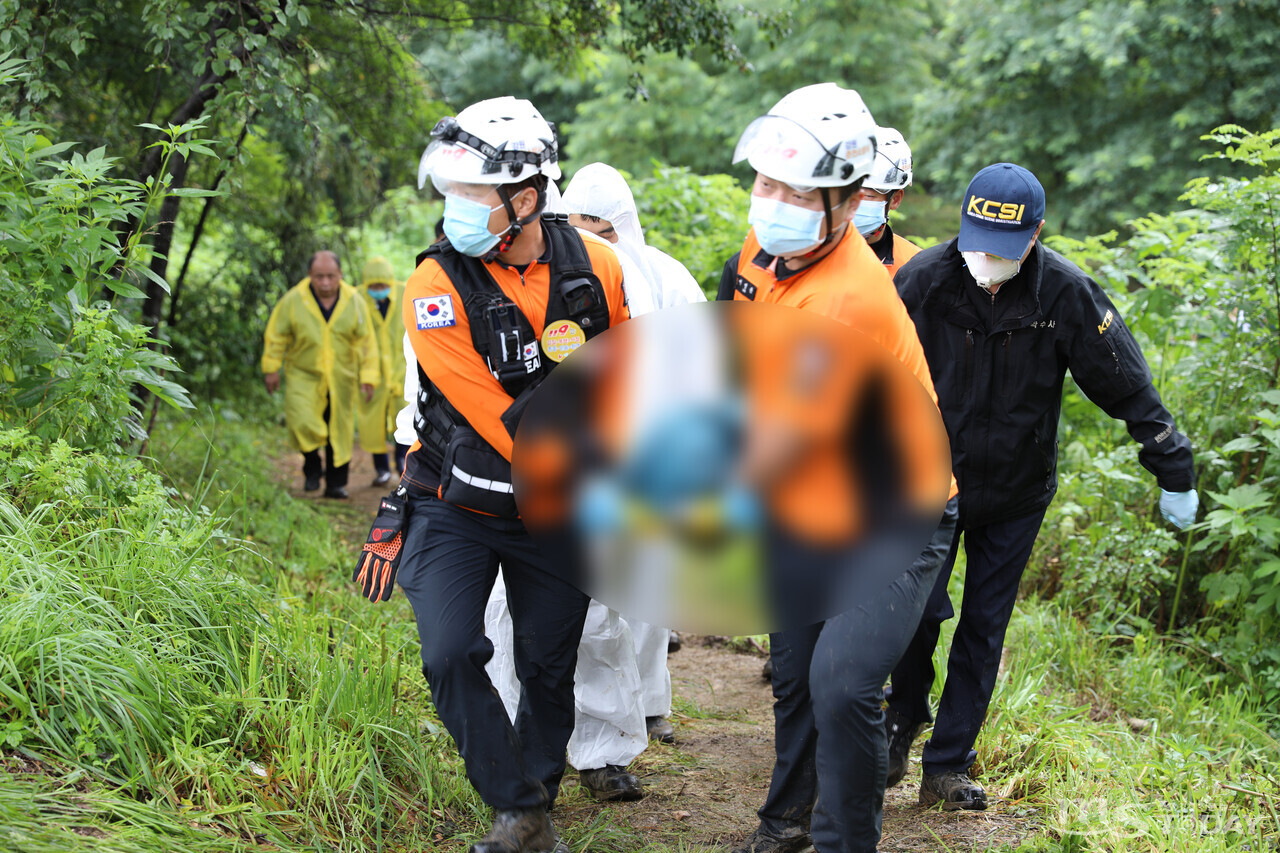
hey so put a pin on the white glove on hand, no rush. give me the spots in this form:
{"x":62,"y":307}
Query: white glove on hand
{"x":1179,"y":508}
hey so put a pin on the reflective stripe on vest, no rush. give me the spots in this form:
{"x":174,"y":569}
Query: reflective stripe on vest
{"x":481,"y":483}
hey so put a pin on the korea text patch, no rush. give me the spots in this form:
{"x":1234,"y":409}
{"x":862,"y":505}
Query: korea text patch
{"x":434,"y":312}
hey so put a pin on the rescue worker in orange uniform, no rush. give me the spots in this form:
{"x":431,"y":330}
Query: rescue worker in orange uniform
{"x":811,"y":154}
{"x":883,"y":191}
{"x":489,"y":313}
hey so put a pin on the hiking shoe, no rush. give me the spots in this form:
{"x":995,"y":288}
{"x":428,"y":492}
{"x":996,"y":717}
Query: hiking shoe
{"x":901,"y":733}
{"x":312,"y":483}
{"x":674,"y":643}
{"x":660,"y":729}
{"x":339,"y":492}
{"x":767,"y":672}
{"x":519,"y":831}
{"x":794,"y":839}
{"x":954,"y":789}
{"x":611,"y":783}
{"x":382,"y":478}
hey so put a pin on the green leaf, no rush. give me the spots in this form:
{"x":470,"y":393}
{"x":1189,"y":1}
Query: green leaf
{"x":1243,"y":443}
{"x":1242,"y":498}
{"x":153,"y":276}
{"x":123,"y":288}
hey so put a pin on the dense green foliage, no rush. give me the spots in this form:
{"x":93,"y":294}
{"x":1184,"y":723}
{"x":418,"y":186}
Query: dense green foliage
{"x":180,"y":659}
{"x":694,"y":218}
{"x":1200,"y":290}
{"x":71,"y":364}
{"x":1104,"y":101}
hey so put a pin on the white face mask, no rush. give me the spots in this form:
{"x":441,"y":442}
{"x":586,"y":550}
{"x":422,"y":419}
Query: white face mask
{"x":988,"y":270}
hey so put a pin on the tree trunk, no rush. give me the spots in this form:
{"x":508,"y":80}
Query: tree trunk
{"x":204,"y":91}
{"x":153,"y":308}
{"x":198,"y":232}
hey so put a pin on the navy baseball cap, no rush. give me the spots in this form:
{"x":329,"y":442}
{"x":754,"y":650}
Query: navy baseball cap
{"x":1003,"y":206}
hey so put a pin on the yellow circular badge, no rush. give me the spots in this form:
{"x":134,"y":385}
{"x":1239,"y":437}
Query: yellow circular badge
{"x":561,"y":338}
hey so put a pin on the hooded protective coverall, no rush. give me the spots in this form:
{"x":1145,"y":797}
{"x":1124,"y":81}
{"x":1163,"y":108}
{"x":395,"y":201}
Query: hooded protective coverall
{"x":621,"y":676}
{"x":600,"y":190}
{"x":324,"y":364}
{"x":376,"y":418}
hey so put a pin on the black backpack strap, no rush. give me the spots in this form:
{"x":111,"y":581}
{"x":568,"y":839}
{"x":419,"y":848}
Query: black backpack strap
{"x":576,"y":291}
{"x":568,"y":252}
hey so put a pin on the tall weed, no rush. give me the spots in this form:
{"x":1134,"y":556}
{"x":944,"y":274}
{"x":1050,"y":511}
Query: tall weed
{"x":1200,"y":290}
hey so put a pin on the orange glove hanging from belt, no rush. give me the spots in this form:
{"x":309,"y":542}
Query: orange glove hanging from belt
{"x":379,"y":559}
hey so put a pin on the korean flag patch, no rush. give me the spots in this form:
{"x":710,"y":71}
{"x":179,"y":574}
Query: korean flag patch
{"x":434,"y":312}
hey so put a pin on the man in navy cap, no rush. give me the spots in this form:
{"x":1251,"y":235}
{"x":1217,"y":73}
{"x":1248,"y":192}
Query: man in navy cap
{"x":1001,"y":318}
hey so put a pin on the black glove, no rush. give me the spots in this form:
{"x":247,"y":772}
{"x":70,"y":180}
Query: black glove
{"x":380,"y":557}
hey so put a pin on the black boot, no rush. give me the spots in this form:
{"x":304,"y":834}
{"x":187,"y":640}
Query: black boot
{"x":954,"y":789}
{"x":793,"y":839}
{"x":901,"y":733}
{"x":660,"y":729}
{"x":611,"y":783}
{"x":519,"y":831}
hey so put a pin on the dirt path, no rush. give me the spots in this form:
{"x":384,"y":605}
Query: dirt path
{"x":702,"y":791}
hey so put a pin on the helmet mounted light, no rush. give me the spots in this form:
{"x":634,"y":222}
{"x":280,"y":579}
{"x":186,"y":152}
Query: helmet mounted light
{"x":448,"y":131}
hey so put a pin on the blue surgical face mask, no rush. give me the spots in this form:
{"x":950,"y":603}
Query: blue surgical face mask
{"x":870,"y":216}
{"x":784,"y":229}
{"x":466,"y":224}
{"x":380,"y":293}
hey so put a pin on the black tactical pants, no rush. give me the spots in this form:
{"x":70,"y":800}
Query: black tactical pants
{"x":995,"y":557}
{"x":828,"y":720}
{"x":450,"y":562}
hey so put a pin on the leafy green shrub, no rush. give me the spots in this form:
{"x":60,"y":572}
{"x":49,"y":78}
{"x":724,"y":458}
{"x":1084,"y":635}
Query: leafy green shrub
{"x":1200,"y":289}
{"x":71,"y":366}
{"x":700,"y":220}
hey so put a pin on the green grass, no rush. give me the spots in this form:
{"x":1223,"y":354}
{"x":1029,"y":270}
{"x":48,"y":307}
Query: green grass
{"x":1116,"y":745}
{"x":229,"y":679}
{"x":1120,"y":748}
{"x":172,"y":677}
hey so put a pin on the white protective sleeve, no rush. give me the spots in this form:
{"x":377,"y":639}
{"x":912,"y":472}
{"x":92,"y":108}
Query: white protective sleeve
{"x":651,"y":660}
{"x":405,"y":433}
{"x":676,"y":285}
{"x":609,"y":725}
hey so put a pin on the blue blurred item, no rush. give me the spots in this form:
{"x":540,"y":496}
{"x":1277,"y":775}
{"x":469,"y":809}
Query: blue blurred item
{"x":687,"y":454}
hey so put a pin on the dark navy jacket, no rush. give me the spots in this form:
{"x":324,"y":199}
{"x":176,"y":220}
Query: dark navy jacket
{"x":998,"y":367}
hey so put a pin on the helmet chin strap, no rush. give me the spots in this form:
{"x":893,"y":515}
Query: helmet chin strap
{"x":831,"y":233}
{"x":513,"y":230}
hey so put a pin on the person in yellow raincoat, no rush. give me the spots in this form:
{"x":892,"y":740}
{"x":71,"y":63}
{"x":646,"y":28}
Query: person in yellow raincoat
{"x":321,"y":334}
{"x":382,"y":296}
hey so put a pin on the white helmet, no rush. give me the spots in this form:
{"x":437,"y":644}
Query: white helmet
{"x":817,"y":136}
{"x":498,"y":141}
{"x":892,"y":168}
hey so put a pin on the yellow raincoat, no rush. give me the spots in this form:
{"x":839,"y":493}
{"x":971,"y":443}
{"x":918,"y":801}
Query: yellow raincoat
{"x":377,"y":418}
{"x":323,"y":362}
